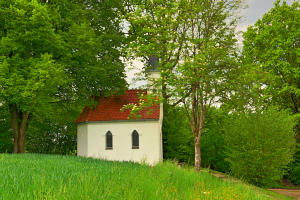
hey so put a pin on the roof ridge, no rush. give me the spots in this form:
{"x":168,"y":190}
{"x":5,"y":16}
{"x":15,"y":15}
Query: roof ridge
{"x":134,"y":90}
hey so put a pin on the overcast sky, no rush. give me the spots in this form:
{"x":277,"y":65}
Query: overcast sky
{"x":255,"y":11}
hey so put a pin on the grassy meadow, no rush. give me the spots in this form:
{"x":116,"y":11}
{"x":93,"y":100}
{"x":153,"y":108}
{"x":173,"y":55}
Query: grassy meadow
{"x":34,"y":176}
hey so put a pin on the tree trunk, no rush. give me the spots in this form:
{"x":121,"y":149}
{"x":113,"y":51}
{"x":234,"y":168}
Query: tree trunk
{"x":197,"y":155}
{"x":15,"y":126}
{"x":196,"y":120}
{"x":22,"y":132}
{"x":197,"y":136}
{"x":19,"y":125}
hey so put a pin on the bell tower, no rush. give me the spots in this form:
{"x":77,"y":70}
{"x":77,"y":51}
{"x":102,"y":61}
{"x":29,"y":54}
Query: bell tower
{"x":152,"y":72}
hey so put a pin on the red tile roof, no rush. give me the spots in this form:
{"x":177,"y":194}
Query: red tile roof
{"x":108,"y":109}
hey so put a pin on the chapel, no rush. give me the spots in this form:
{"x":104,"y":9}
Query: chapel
{"x":107,"y":133}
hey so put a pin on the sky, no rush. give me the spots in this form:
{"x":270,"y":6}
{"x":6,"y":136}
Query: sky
{"x":254,"y":11}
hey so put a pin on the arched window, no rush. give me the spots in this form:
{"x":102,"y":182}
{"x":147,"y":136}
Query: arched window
{"x":109,"y":140}
{"x":135,"y":139}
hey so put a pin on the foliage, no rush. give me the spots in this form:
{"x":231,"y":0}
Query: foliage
{"x":271,"y":50}
{"x":294,"y":168}
{"x":53,"y":132}
{"x":178,"y":139}
{"x":93,"y":37}
{"x":195,"y":44}
{"x":6,"y":136}
{"x":67,"y":177}
{"x":213,"y":144}
{"x":51,"y":136}
{"x":260,"y":145}
{"x":47,"y":132}
{"x":271,"y":61}
{"x":30,"y":75}
{"x":55,"y":54}
{"x":145,"y":102}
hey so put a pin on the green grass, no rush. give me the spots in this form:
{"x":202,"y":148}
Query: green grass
{"x":31,"y":176}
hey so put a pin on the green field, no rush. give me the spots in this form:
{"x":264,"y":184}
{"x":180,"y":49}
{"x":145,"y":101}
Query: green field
{"x":32,"y":176}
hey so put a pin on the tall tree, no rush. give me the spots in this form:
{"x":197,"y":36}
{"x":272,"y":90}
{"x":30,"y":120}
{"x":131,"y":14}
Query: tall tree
{"x":271,"y":49}
{"x":195,"y":43}
{"x":55,"y":53}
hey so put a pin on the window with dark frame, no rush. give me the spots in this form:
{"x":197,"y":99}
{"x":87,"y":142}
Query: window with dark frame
{"x":109,"y":140}
{"x":135,"y":140}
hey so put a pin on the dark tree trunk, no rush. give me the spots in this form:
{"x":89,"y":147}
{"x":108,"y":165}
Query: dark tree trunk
{"x":19,"y":125}
{"x":22,"y":132}
{"x":15,"y":126}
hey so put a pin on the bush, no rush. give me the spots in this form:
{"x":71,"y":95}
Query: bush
{"x":178,"y":142}
{"x":51,"y":137}
{"x":294,"y":174}
{"x":6,"y":134}
{"x":52,"y":132}
{"x":212,"y":141}
{"x":260,"y":145}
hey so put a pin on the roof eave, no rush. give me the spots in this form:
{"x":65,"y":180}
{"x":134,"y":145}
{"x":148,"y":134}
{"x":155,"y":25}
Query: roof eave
{"x":112,"y":121}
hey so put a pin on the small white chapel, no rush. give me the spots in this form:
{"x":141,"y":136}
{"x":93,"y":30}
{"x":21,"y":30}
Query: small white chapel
{"x":105,"y":132}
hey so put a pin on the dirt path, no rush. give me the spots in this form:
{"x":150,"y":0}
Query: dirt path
{"x":288,"y":192}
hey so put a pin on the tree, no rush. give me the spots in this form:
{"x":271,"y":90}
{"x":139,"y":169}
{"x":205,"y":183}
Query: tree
{"x":179,"y":142}
{"x":271,"y":49}
{"x":259,"y":145}
{"x":56,"y":53}
{"x":194,"y":41}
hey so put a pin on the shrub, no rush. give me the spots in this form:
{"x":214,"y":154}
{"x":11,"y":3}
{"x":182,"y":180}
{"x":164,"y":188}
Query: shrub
{"x":178,"y":140}
{"x":260,"y":145}
{"x":6,"y":134}
{"x":212,"y":142}
{"x":294,"y":174}
{"x":51,"y":137}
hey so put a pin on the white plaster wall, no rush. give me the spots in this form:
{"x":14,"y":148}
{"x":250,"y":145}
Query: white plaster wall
{"x":152,"y":76}
{"x":82,"y":142}
{"x":150,"y":141}
{"x":161,"y":116}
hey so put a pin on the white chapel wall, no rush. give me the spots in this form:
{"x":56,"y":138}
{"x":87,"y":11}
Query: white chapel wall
{"x":161,"y":116}
{"x":150,"y":141}
{"x":82,"y":142}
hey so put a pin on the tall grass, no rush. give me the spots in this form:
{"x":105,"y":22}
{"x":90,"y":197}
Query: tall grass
{"x":32,"y":176}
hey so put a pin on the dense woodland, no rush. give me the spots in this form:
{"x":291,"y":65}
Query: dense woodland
{"x":229,"y":108}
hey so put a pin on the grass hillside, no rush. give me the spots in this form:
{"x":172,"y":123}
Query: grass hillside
{"x":32,"y":176}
